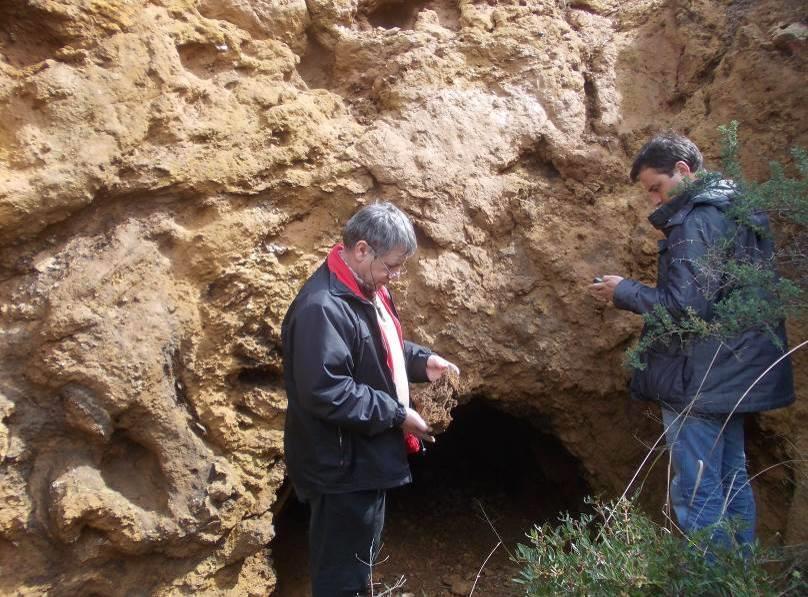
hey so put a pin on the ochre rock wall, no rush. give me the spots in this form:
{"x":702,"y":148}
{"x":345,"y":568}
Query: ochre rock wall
{"x":172,"y":170}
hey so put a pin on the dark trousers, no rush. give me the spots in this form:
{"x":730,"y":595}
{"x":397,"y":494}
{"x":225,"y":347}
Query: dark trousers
{"x":345,"y":532}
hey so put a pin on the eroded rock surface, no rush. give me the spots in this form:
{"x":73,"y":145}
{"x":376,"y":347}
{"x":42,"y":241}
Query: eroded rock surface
{"x":171,"y":171}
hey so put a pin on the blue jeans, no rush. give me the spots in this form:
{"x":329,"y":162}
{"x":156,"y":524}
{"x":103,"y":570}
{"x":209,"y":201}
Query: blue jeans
{"x":721,"y":491}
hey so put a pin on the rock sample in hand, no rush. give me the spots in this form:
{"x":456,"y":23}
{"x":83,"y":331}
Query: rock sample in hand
{"x":434,"y":402}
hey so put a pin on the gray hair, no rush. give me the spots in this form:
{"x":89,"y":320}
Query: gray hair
{"x":383,"y":226}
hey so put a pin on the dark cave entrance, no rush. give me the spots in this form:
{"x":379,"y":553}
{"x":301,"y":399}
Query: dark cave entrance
{"x":403,"y":14}
{"x":487,"y":464}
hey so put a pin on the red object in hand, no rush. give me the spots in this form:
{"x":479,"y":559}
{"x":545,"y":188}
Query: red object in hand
{"x":413,"y":443}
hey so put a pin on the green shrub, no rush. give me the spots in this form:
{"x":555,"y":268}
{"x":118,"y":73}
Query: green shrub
{"x":620,"y":551}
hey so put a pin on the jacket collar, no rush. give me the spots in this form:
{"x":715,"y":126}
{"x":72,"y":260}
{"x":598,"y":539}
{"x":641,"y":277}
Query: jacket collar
{"x":343,"y":280}
{"x":675,"y":209}
{"x":707,"y":189}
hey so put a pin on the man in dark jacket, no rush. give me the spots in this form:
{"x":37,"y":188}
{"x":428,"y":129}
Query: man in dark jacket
{"x":347,"y":367}
{"x":705,"y":386}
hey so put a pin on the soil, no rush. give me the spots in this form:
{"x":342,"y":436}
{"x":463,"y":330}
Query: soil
{"x":436,"y":401}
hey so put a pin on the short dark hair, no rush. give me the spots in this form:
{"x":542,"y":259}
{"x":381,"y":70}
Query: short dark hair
{"x":663,"y":151}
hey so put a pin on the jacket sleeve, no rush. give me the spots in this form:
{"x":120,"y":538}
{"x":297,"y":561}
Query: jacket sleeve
{"x":685,"y":285}
{"x":416,"y":357}
{"x":322,"y":369}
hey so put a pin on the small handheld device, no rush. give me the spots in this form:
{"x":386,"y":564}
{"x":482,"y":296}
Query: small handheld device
{"x":597,"y":280}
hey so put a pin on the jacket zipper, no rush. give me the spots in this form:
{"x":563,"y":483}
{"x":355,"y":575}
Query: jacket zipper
{"x":341,"y":452}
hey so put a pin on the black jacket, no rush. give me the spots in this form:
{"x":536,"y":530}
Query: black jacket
{"x":343,"y":420}
{"x":695,"y":222}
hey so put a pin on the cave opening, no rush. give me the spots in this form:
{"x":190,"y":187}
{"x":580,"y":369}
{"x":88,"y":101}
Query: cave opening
{"x":489,"y":469}
{"x":403,"y":14}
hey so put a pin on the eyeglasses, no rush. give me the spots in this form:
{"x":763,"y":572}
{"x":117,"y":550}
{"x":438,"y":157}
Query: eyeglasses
{"x":393,"y":272}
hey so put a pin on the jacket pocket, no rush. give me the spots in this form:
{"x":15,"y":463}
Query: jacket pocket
{"x":664,"y":377}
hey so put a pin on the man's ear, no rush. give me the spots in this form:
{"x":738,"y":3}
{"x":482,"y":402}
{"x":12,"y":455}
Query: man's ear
{"x":683,"y":169}
{"x":362,"y":250}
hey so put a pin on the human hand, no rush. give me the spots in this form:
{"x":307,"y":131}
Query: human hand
{"x":437,"y":366}
{"x":604,"y":291}
{"x":416,"y":425}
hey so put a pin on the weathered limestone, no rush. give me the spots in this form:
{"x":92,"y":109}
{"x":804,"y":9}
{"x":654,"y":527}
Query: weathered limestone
{"x":171,"y":171}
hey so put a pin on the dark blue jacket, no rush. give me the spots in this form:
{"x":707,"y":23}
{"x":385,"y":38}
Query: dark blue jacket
{"x":343,"y":420}
{"x":720,"y":372}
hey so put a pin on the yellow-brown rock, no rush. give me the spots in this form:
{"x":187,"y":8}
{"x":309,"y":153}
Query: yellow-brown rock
{"x":172,"y":170}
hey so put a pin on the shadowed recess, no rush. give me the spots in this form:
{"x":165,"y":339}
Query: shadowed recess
{"x":134,"y":472}
{"x":403,"y":14}
{"x":26,"y":36}
{"x":316,"y":65}
{"x":488,"y":463}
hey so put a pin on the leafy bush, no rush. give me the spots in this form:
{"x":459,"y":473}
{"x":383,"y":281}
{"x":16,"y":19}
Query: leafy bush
{"x":619,"y":551}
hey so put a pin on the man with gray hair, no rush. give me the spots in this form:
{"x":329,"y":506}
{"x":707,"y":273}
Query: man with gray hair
{"x":349,"y":425}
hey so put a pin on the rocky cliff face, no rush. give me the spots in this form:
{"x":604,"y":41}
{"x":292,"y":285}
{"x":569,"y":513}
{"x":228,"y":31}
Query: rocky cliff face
{"x":172,"y":170}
